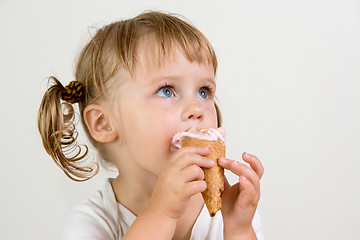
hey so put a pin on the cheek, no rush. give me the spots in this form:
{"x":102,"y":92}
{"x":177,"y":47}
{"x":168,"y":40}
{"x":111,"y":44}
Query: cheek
{"x":151,"y":125}
{"x":155,"y":141}
{"x":211,"y":115}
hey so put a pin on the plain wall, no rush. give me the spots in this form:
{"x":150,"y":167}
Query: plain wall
{"x":288,"y":86}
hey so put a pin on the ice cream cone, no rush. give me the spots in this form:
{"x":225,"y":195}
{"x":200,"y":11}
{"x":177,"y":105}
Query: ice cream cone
{"x":214,"y":177}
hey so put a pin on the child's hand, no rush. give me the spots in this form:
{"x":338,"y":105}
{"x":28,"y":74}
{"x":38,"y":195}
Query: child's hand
{"x":181,"y":179}
{"x":240,"y":200}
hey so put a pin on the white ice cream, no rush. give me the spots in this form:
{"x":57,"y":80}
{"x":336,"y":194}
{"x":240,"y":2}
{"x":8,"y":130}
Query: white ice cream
{"x":209,"y":134}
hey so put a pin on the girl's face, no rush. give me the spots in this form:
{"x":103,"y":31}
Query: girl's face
{"x":159,"y":102}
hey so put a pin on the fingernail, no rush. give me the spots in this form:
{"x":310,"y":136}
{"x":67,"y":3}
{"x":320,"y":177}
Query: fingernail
{"x":206,"y":149}
{"x":211,"y":161}
{"x":247,"y":155}
{"x":222,"y":160}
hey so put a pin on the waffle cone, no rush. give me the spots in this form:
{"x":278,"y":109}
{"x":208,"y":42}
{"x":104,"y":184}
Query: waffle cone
{"x":214,"y":177}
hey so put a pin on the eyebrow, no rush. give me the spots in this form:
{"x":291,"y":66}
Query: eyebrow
{"x":175,"y":78}
{"x":212,"y":80}
{"x":159,"y":79}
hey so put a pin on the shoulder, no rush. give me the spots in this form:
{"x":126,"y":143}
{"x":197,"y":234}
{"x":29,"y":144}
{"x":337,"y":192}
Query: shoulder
{"x":95,"y":217}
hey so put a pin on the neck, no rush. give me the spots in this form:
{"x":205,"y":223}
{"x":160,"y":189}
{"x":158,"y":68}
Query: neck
{"x":134,"y":190}
{"x":138,"y":198}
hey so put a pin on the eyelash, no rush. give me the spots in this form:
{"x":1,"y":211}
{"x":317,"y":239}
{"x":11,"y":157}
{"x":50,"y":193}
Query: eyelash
{"x":207,"y":87}
{"x":169,"y":85}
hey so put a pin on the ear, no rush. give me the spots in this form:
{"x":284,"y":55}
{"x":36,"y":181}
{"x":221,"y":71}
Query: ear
{"x":100,"y":124}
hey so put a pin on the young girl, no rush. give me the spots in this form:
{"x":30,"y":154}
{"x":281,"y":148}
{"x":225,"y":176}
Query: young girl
{"x":138,"y":82}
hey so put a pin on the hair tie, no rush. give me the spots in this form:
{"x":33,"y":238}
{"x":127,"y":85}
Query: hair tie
{"x":74,"y":92}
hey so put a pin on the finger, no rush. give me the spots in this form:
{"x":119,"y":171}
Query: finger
{"x":203,"y":151}
{"x":189,"y":158}
{"x":192,"y":173}
{"x":255,"y":163}
{"x":238,"y":168}
{"x":194,"y":187}
{"x":248,"y":194}
{"x":241,"y":170}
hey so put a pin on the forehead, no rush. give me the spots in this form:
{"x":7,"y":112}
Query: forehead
{"x":151,"y":54}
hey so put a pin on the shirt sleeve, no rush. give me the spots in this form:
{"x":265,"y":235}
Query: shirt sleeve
{"x":85,"y":225}
{"x":257,"y":226}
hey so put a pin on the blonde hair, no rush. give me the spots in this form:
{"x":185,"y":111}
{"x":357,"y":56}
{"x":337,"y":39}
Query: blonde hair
{"x":113,"y":47}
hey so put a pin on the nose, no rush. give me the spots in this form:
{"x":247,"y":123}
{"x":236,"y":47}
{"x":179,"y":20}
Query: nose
{"x":192,"y":111}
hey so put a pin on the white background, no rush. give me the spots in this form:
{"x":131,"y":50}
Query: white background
{"x":289,"y":91}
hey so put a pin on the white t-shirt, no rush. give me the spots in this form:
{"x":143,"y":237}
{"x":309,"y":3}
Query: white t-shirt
{"x":101,"y":217}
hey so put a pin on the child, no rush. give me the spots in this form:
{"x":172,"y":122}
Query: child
{"x":138,"y":82}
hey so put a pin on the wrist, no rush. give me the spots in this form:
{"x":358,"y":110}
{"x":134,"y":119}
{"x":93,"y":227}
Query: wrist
{"x":152,"y":224}
{"x":160,"y":214}
{"x":245,"y":233}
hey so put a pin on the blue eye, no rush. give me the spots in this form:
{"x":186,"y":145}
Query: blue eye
{"x":203,"y":93}
{"x":165,"y":92}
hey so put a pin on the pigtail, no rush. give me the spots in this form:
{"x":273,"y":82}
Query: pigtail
{"x":56,"y":122}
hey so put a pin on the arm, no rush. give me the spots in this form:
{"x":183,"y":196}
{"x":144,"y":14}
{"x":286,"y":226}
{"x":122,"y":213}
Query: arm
{"x":181,"y":179}
{"x":151,"y":225}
